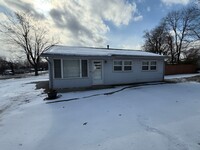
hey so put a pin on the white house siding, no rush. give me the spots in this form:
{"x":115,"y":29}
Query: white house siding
{"x":134,"y":76}
{"x":110,"y":77}
{"x":72,"y":82}
{"x":69,"y":83}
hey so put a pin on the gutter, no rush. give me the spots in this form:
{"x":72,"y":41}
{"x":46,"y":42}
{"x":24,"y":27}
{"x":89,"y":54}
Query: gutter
{"x":112,"y":55}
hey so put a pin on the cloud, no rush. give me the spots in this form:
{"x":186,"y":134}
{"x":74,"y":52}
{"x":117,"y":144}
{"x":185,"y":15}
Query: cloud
{"x":119,"y":12}
{"x":85,"y":20}
{"x":140,"y":1}
{"x":25,"y":7}
{"x":127,"y":42}
{"x":171,"y":2}
{"x":77,"y":22}
{"x":132,"y":47}
{"x":138,"y":18}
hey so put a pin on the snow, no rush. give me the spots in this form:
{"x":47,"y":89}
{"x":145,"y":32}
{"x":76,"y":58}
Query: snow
{"x":89,"y":51}
{"x":164,"y":116}
{"x":177,"y":76}
{"x":14,"y":92}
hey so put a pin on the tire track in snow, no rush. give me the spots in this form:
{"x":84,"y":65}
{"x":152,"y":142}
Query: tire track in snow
{"x":174,"y":142}
{"x":105,"y":93}
{"x":13,"y":103}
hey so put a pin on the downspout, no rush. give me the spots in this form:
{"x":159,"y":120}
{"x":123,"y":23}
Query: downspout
{"x":50,"y":73}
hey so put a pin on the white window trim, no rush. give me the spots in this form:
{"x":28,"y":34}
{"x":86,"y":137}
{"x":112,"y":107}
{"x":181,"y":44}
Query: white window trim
{"x":128,"y":65}
{"x":149,"y":65}
{"x":117,"y":65}
{"x":153,"y":65}
{"x":122,"y":66}
{"x":62,"y":76}
{"x":145,"y":65}
{"x":79,"y":69}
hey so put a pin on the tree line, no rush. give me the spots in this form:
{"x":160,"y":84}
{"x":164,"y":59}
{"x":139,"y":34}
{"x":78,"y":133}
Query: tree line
{"x":177,"y":36}
{"x":12,"y":67}
{"x":25,"y":33}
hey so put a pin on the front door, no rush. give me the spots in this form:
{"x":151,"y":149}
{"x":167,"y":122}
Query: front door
{"x":97,"y":66}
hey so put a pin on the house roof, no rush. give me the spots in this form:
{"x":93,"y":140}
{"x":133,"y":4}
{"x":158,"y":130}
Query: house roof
{"x":59,"y":50}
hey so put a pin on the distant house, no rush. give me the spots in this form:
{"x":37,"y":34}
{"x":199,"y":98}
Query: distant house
{"x":71,"y":67}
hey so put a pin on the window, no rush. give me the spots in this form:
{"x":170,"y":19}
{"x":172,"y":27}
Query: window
{"x":127,"y":65}
{"x":57,"y":68}
{"x":153,"y":65}
{"x":71,"y":68}
{"x":145,"y":65}
{"x":149,"y":65}
{"x":120,"y":65}
{"x":117,"y":65}
{"x":75,"y":68}
{"x":84,"y":68}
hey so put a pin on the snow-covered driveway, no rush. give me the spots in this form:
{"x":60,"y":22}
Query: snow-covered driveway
{"x":154,"y":117}
{"x":14,"y":92}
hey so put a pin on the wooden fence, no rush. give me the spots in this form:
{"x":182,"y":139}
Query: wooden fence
{"x":180,"y":69}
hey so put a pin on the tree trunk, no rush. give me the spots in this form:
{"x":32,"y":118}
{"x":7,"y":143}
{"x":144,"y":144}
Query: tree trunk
{"x":36,"y":70}
{"x":178,"y":57}
{"x":12,"y":67}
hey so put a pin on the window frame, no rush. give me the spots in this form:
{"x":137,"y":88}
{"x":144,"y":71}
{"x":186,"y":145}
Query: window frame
{"x":131,"y":65}
{"x":62,"y":69}
{"x":145,"y":65}
{"x":54,"y":68}
{"x":81,"y":73}
{"x":79,"y":68}
{"x":123,"y":66}
{"x":153,"y":66}
{"x":117,"y":65}
{"x":149,"y":65}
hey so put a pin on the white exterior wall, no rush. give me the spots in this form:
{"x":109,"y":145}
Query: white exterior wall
{"x":110,"y":77}
{"x":72,"y":82}
{"x":134,"y":76}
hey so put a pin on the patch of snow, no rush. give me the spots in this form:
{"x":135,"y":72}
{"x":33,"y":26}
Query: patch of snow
{"x":165,"y":116}
{"x":180,"y":76}
{"x":14,"y":92}
{"x":89,"y":51}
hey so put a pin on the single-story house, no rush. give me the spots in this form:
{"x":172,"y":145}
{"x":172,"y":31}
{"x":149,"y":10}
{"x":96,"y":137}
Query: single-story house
{"x":71,"y":67}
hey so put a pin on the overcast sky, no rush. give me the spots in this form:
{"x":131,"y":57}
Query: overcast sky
{"x":119,"y":23}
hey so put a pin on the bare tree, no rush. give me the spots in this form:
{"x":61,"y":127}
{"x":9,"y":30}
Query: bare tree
{"x":170,"y":48}
{"x":26,"y":33}
{"x":194,"y":30}
{"x":191,"y":55}
{"x":160,"y":41}
{"x":3,"y":64}
{"x":155,"y":40}
{"x":7,"y":64}
{"x":180,"y":24}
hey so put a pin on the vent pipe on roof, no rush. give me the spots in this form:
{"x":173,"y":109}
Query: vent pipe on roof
{"x":107,"y":46}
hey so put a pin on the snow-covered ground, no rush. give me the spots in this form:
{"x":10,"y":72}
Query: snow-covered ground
{"x":165,"y":116}
{"x":181,"y":76}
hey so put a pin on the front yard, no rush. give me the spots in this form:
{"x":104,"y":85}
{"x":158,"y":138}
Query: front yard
{"x":164,"y":116}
